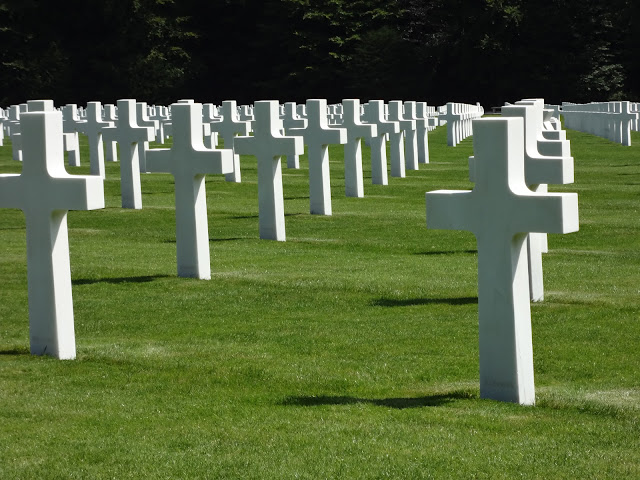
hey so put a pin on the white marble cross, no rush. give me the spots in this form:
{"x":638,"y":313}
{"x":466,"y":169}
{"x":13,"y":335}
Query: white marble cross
{"x":129,"y":135}
{"x":142,"y":115}
{"x":70,"y":122}
{"x":500,"y":211}
{"x":14,"y":133}
{"x":539,"y":171}
{"x":374,"y":114}
{"x":290,"y":121}
{"x":210,"y":115}
{"x":110,"y":147}
{"x":188,"y":161}
{"x":45,"y":192}
{"x":92,"y":128}
{"x":159,"y":114}
{"x":318,"y":136}
{"x":408,"y":126}
{"x":229,"y":127}
{"x":415,"y":111}
{"x":269,"y":146}
{"x":356,"y":131}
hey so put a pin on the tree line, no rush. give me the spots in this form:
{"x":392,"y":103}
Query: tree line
{"x":158,"y":51}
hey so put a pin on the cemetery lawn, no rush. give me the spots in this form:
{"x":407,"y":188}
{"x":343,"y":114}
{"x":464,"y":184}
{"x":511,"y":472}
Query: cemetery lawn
{"x":349,"y":351}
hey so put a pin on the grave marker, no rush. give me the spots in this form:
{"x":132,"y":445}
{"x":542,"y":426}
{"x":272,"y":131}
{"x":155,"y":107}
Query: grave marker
{"x":268,"y":146}
{"x":128,"y":135}
{"x":143,"y":119}
{"x":92,"y":128}
{"x":356,"y":131}
{"x":290,"y":121}
{"x":408,"y":126}
{"x":374,"y":114}
{"x":70,"y":124}
{"x":44,"y":191}
{"x":500,"y":211}
{"x":188,"y":161}
{"x":318,"y":136}
{"x":416,"y":112}
{"x":228,"y":128}
{"x":110,"y":147}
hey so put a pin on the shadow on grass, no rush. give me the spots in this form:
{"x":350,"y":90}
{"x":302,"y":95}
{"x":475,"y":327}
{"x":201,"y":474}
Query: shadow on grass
{"x":117,"y":280}
{"x":447,"y":252}
{"x":395,"y":403}
{"x":408,"y":302}
{"x":15,"y":351}
{"x":232,"y":239}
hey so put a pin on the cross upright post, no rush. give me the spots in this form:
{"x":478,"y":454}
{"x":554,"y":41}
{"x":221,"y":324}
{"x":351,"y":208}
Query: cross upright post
{"x":228,"y":128}
{"x":92,"y":128}
{"x":188,"y":161}
{"x":500,"y":211}
{"x":269,"y":146}
{"x":374,"y":114}
{"x":408,"y":126}
{"x":129,"y":135}
{"x":44,"y":191}
{"x":318,"y":136}
{"x":356,"y":131}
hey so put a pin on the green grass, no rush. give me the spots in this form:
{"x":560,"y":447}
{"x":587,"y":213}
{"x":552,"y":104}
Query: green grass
{"x":350,"y":351}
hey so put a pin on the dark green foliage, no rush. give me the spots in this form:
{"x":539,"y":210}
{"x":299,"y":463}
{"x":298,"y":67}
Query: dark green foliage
{"x":436,"y":50}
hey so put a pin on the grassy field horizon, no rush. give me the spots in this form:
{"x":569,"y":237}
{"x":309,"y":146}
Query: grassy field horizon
{"x":348,"y":351}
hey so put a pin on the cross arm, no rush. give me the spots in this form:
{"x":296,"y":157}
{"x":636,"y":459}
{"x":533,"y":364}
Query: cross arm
{"x":554,"y":170}
{"x":558,"y":170}
{"x":212,"y":161}
{"x":243,"y":145}
{"x":11,"y":191}
{"x":78,"y":192}
{"x":408,"y":124}
{"x":545,"y":213}
{"x":291,"y":146}
{"x":388,"y":127}
{"x":159,"y":160}
{"x":365,"y":130}
{"x":450,"y":210}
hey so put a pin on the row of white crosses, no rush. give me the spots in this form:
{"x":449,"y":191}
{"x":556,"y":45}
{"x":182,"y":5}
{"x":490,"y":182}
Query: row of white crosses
{"x":132,"y":131}
{"x":51,"y":306}
{"x":501,"y":211}
{"x":45,"y":192}
{"x":611,"y":120}
{"x":459,"y":118}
